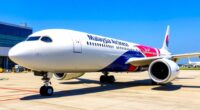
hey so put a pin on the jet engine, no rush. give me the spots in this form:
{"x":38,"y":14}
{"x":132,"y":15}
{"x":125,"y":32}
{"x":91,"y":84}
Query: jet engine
{"x":67,"y":76}
{"x":163,"y":71}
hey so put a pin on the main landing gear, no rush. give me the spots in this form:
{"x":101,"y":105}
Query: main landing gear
{"x":107,"y":79}
{"x":46,"y":89}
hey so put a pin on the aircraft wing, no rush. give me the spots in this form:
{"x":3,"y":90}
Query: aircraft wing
{"x":147,"y":61}
{"x":178,"y":56}
{"x":142,"y":61}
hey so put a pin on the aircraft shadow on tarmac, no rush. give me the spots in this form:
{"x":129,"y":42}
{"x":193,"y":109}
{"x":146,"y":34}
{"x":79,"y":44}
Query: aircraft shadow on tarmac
{"x":105,"y":87}
{"x":82,"y":81}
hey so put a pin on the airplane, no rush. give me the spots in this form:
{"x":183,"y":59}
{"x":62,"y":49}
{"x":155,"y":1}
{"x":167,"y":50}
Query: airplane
{"x":193,"y":64}
{"x":68,"y":54}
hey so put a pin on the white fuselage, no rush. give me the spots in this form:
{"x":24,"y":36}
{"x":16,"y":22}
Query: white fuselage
{"x":73,"y":51}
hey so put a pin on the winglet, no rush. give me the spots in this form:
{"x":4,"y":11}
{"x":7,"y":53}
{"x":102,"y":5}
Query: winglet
{"x":166,"y":40}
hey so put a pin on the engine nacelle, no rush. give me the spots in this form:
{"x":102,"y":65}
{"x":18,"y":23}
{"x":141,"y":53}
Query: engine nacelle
{"x":67,"y":76}
{"x":163,"y":71}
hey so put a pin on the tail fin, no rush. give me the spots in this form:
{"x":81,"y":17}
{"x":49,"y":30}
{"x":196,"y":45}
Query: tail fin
{"x":189,"y":61}
{"x":164,"y":50}
{"x":166,"y":40}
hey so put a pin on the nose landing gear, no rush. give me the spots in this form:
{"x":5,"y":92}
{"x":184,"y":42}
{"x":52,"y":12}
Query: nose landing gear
{"x":107,"y":79}
{"x":46,"y":89}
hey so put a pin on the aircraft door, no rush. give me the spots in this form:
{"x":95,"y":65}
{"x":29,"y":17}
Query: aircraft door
{"x":77,"y":47}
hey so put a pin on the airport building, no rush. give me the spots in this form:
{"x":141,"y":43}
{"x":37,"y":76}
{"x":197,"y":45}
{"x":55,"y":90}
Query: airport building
{"x":10,"y":34}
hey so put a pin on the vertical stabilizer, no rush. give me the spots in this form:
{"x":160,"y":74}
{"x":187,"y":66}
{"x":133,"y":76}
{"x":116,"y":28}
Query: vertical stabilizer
{"x":164,"y":49}
{"x":166,"y":40}
{"x":189,"y":61}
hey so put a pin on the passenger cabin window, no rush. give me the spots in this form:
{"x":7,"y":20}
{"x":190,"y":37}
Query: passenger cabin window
{"x":33,"y":38}
{"x":46,"y":39}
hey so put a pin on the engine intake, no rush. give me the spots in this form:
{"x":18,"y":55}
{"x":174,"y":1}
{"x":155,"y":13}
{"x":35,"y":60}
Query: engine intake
{"x":67,"y":76}
{"x":163,"y":71}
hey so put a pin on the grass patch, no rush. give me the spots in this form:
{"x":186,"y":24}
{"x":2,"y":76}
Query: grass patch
{"x":182,"y":68}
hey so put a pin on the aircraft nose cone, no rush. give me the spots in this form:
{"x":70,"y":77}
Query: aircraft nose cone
{"x":14,"y":54}
{"x":17,"y":53}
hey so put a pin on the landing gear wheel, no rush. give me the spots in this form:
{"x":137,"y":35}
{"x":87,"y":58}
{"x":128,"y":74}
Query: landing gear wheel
{"x":111,"y":79}
{"x":107,"y":79}
{"x":103,"y":79}
{"x":46,"y":91}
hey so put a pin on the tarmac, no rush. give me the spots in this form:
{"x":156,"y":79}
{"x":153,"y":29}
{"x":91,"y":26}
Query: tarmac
{"x":132,"y":91}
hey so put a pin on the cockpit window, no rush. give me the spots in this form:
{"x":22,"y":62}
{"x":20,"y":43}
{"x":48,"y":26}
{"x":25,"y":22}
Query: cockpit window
{"x":46,"y":39}
{"x":33,"y":38}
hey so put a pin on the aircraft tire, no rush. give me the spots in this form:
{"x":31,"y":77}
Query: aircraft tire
{"x":103,"y":79}
{"x":111,"y":79}
{"x":107,"y":79}
{"x":46,"y":91}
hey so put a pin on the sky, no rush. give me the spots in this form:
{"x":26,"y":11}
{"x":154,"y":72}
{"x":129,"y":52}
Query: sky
{"x":139,"y":21}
